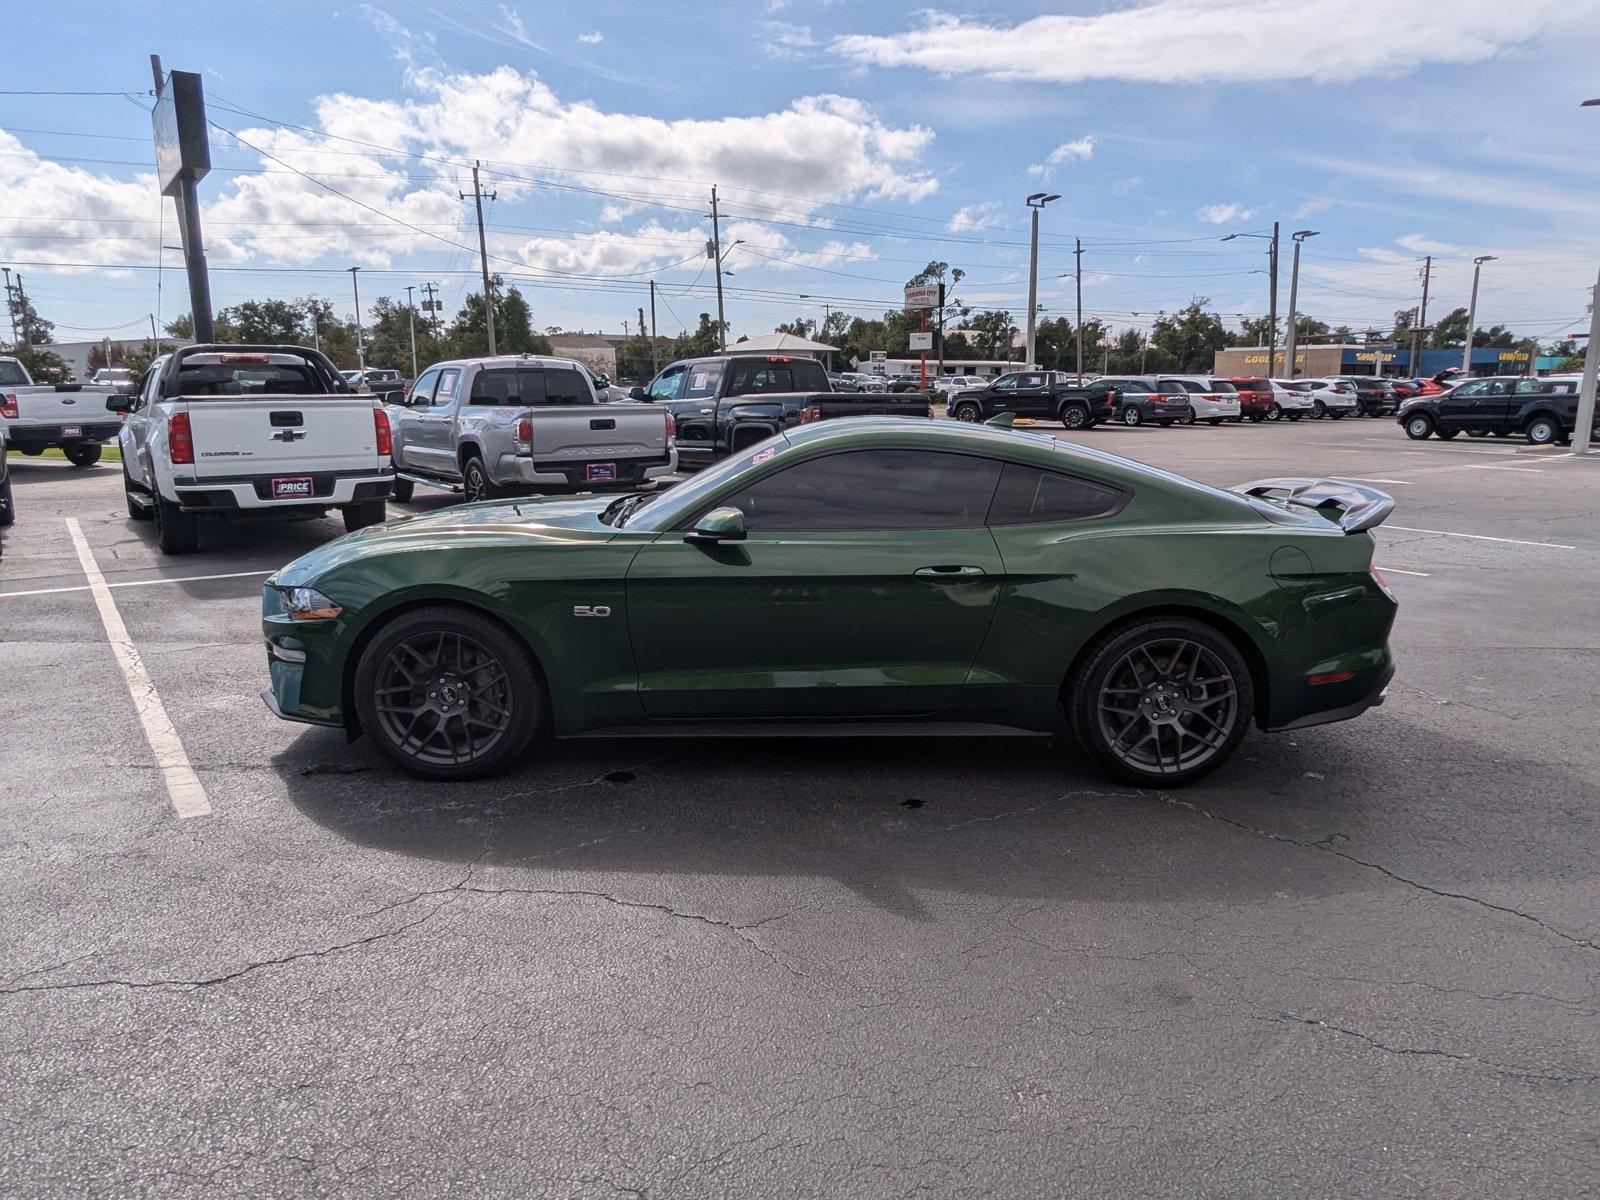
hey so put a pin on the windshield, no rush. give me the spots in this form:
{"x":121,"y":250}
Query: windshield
{"x":660,"y":510}
{"x":11,"y":372}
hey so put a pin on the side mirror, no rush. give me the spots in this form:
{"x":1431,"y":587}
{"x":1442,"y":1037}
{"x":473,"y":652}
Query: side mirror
{"x":638,"y":393}
{"x":718,"y":525}
{"x":119,"y":404}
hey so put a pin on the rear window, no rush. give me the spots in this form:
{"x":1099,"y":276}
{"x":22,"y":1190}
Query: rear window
{"x":1223,"y":388}
{"x":1029,"y":496}
{"x":224,"y":379}
{"x":12,"y":373}
{"x":1251,"y":385}
{"x":1188,"y":385}
{"x":753,"y":376}
{"x":530,"y":387}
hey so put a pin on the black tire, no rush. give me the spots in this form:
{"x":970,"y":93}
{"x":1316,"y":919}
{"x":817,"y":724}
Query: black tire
{"x":8,"y":506}
{"x":1213,"y":421}
{"x":1165,"y":424}
{"x":486,"y":693}
{"x":1478,"y":433}
{"x":1178,"y":682}
{"x":1294,"y":416}
{"x":177,"y":532}
{"x":359,"y":516}
{"x":1543,"y":430}
{"x":1075,"y":416}
{"x":83,"y":454}
{"x":967,"y":411}
{"x":136,"y":511}
{"x":1502,"y":433}
{"x":1256,"y":418}
{"x":1419,"y":427}
{"x":404,"y":489}
{"x":1275,"y":413}
{"x":1131,"y":416}
{"x":1187,"y":418}
{"x":1337,"y":416}
{"x":475,"y":481}
{"x":1318,"y":410}
{"x":1447,"y":434}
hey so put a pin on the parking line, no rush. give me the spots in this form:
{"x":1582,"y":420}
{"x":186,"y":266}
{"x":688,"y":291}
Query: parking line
{"x":1482,"y":537}
{"x":55,"y":591}
{"x":183,"y":785}
{"x":1365,"y":479}
{"x":1499,"y":467}
{"x":1398,"y":571}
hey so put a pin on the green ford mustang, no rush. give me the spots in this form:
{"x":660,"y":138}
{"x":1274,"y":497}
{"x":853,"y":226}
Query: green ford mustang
{"x":871,"y":575}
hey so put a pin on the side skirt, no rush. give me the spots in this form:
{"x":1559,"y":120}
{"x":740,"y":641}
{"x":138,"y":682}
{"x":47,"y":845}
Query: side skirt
{"x":807,"y":729}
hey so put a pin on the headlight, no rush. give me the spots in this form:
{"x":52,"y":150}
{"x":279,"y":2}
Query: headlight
{"x":308,"y":604}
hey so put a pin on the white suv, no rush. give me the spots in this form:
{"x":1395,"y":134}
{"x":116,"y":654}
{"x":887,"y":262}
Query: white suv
{"x":1334,"y":398}
{"x":1213,"y":400}
{"x":1293,"y":399}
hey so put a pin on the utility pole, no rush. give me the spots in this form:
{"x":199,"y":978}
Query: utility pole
{"x":153,"y":336}
{"x":361,"y":343}
{"x":431,"y":307}
{"x":654,"y":363}
{"x":19,"y":306}
{"x":716,"y":251}
{"x":411,"y":325}
{"x":1077,"y":250}
{"x":483,"y":255}
{"x":1472,"y":311}
{"x":1272,"y":303}
{"x":1034,"y":202}
{"x":1591,"y":363}
{"x":1415,"y":365}
{"x":11,"y":307}
{"x":941,"y":327}
{"x":1291,"y":335}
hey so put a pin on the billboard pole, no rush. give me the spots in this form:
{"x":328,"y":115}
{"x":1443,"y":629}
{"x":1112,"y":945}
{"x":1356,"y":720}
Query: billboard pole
{"x":183,"y":156}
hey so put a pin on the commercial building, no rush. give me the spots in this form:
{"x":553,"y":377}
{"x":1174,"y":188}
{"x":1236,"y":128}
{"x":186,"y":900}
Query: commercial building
{"x":1359,"y":360}
{"x":76,"y":354}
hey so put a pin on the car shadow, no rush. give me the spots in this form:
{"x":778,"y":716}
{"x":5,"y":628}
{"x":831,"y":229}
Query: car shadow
{"x":899,"y":820}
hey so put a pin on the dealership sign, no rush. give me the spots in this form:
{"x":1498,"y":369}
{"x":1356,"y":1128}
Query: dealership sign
{"x":922,"y":295}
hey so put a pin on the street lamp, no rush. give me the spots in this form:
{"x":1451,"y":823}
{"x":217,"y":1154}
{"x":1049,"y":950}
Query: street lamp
{"x":361,"y":347}
{"x":1294,"y":288}
{"x":1472,"y":311}
{"x":1272,"y":291}
{"x":1034,"y":202}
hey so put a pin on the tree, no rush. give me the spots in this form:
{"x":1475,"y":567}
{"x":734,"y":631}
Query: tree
{"x":468,"y":334}
{"x":634,"y":360}
{"x":699,"y":344}
{"x":991,"y":333}
{"x":265,"y":322}
{"x":1190,"y":337}
{"x":1497,"y":336}
{"x":45,"y":366}
{"x":32,"y":329}
{"x":1450,"y":329}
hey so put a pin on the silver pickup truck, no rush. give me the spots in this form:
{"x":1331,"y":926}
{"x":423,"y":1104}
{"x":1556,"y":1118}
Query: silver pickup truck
{"x":494,"y":427}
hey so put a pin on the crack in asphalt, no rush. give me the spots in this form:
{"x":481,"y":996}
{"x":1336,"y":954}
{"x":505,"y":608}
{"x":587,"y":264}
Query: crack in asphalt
{"x":1325,"y":847}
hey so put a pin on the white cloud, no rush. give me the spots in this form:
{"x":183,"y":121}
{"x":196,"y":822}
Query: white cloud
{"x":1195,"y":41}
{"x":1077,"y":150}
{"x":592,"y":39}
{"x":781,"y":40}
{"x":1423,"y":244}
{"x":1223,"y":214}
{"x":974,"y":216}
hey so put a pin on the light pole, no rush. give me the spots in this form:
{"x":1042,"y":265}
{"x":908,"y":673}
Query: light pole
{"x":1591,"y":362}
{"x":1294,"y":288}
{"x":1034,"y":202}
{"x":361,"y":345}
{"x":1272,"y":292}
{"x":411,"y":325}
{"x":1472,"y":311}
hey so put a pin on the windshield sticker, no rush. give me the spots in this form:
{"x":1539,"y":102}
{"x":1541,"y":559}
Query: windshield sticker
{"x":699,"y":379}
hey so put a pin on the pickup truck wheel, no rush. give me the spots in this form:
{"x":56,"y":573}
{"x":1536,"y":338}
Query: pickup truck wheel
{"x":1161,"y":701}
{"x":1502,"y":433}
{"x":83,"y":454}
{"x":1542,"y":431}
{"x":177,"y":532}
{"x":359,"y":516}
{"x":448,"y":693}
{"x":404,"y":489}
{"x":1074,"y":416}
{"x":475,"y":481}
{"x":8,"y":506}
{"x":136,"y":511}
{"x":967,"y":411}
{"x":1132,"y":416}
{"x":1419,"y":427}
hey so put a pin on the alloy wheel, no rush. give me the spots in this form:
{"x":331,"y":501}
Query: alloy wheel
{"x":1168,"y":706}
{"x":443,"y":698}
{"x":967,"y":413}
{"x":474,"y":484}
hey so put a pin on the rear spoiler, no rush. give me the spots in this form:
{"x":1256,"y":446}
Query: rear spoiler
{"x":1348,"y":505}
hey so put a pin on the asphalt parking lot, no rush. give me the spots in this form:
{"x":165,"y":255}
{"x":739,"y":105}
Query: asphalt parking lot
{"x":1360,"y":960}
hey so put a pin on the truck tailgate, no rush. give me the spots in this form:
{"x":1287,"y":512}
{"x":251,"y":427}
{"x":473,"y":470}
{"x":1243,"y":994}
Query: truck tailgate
{"x":283,"y":435}
{"x":589,"y":432}
{"x":66,"y":404}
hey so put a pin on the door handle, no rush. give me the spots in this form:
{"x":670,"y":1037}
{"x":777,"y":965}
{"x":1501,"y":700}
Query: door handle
{"x":949,"y":571}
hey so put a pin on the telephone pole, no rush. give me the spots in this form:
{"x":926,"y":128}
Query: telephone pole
{"x":431,"y":307}
{"x":1034,"y":202}
{"x":483,"y":255}
{"x":11,"y":306}
{"x":1415,"y":365}
{"x":361,"y":346}
{"x":1472,"y":311}
{"x":716,"y":251}
{"x":1077,"y":250}
{"x":654,"y":364}
{"x":1291,"y":335}
{"x":411,"y":324}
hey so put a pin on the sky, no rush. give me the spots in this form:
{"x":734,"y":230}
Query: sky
{"x":850,"y":143}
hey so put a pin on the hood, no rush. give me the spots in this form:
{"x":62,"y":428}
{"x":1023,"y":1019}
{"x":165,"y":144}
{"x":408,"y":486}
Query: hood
{"x":525,"y":521}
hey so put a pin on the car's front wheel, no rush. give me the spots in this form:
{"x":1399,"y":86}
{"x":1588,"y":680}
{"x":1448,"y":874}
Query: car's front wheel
{"x":1132,"y":416}
{"x":403,"y":490}
{"x":1542,"y":431}
{"x":968,"y":412}
{"x":8,"y":506}
{"x":1419,"y":427}
{"x":448,"y":693}
{"x":1161,"y":701}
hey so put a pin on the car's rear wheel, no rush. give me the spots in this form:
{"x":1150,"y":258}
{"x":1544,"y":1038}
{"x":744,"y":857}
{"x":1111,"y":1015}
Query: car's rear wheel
{"x":447,"y":693}
{"x":403,"y":490}
{"x":1161,"y":701}
{"x":1275,"y":413}
{"x":1318,"y":410}
{"x":1213,"y":421}
{"x":82,"y":454}
{"x":475,"y":481}
{"x":967,"y":411}
{"x":177,"y":532}
{"x":1542,"y":431}
{"x":1337,"y":416}
{"x":1074,"y":416}
{"x":1419,"y":427}
{"x":1187,"y":418}
{"x":1132,"y":416}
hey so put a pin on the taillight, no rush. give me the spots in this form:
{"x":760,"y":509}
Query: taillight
{"x":380,"y":426}
{"x":810,"y":415}
{"x":672,"y":427}
{"x":524,"y":430}
{"x":8,"y":408}
{"x":180,"y":440}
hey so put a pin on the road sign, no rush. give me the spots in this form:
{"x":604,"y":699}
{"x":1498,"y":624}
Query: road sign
{"x":179,"y":123}
{"x":878,"y":363}
{"x":922,"y":341}
{"x":922,"y":295}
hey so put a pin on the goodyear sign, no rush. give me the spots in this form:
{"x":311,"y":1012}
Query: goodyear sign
{"x":1518,"y":356}
{"x":1260,"y":360}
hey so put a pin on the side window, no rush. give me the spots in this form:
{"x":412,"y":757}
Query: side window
{"x":665,"y":385}
{"x":703,"y":381}
{"x":1007,"y":383}
{"x":1170,"y":386}
{"x":563,"y":385}
{"x":1476,"y":388}
{"x":421,"y":393}
{"x":1033,"y":380}
{"x":1030,"y":495}
{"x":871,"y":489}
{"x":1502,"y":387}
{"x":449,"y":380}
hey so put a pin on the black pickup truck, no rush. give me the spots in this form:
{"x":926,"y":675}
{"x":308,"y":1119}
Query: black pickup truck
{"x":723,"y":404}
{"x":1544,"y":410}
{"x":1052,"y":395}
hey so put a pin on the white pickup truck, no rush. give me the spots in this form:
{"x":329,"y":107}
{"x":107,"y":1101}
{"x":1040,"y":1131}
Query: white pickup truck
{"x":219,"y":432}
{"x":39,"y":416}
